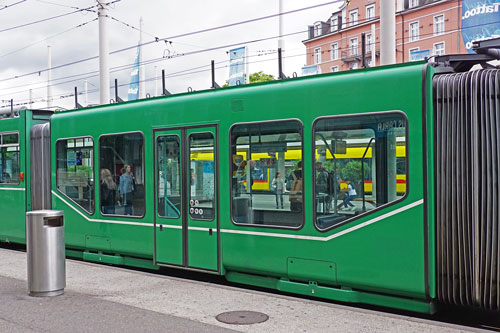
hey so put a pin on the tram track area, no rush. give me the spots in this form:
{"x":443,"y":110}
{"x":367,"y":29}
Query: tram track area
{"x":454,"y":318}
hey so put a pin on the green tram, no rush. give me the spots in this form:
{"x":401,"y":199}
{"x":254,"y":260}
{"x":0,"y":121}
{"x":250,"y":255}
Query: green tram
{"x":173,"y":181}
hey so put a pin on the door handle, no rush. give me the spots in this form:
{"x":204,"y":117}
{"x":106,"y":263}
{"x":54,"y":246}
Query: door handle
{"x":210,"y":231}
{"x":161,"y":227}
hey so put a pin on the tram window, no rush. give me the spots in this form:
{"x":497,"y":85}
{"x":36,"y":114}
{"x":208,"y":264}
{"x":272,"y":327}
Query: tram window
{"x":121,"y":174}
{"x":9,"y":158}
{"x":202,"y":177}
{"x":360,"y":164}
{"x":169,"y":176}
{"x":266,"y":181}
{"x":75,"y":171}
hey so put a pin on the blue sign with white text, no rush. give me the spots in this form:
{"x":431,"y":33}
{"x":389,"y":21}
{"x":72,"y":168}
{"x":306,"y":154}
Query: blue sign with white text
{"x":480,"y":21}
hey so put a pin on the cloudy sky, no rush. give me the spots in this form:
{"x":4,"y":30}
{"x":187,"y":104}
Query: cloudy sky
{"x":75,"y":36}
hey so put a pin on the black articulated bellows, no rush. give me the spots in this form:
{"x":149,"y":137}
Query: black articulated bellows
{"x":467,"y":158}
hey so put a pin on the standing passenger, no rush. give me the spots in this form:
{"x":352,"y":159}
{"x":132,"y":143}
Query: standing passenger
{"x":280,"y":189}
{"x":127,"y":188}
{"x":108,"y":192}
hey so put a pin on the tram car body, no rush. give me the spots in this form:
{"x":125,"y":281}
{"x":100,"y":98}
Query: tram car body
{"x":165,"y":182}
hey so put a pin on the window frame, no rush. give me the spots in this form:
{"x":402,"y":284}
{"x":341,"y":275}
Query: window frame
{"x":313,"y":174}
{"x":301,"y":125}
{"x":144,"y":173}
{"x":411,"y":38}
{"x":18,"y":144}
{"x":370,"y":7}
{"x":435,"y":24}
{"x":336,"y":53}
{"x":353,"y":47}
{"x":188,"y":160}
{"x":334,"y":23}
{"x":356,"y":21}
{"x":317,"y":29}
{"x":93,"y":172}
{"x":316,"y":60}
{"x":157,"y":175}
{"x":434,"y":48}
{"x":413,"y":3}
{"x":410,"y":50}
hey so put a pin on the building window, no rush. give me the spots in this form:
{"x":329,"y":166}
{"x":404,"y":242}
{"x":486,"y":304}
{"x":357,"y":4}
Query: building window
{"x":353,"y":65}
{"x":334,"y":69}
{"x":370,"y":12}
{"x":317,"y":56}
{"x":75,"y":171}
{"x":353,"y":46}
{"x":414,"y":31}
{"x":334,"y":24}
{"x":335,"y":51}
{"x":9,"y":158}
{"x":169,"y":176}
{"x":439,"y":49}
{"x":413,"y":54}
{"x":413,"y":3}
{"x":360,"y":165}
{"x":267,"y":182}
{"x":317,"y":29}
{"x":353,"y":17}
{"x":438,"y":25}
{"x":121,"y":170}
{"x":368,"y":42}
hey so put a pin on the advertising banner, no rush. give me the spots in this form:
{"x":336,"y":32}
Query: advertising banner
{"x":133,"y":88}
{"x":237,"y":66}
{"x":480,"y":21}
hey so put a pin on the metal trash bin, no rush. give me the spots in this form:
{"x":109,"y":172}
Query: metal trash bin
{"x":45,"y":252}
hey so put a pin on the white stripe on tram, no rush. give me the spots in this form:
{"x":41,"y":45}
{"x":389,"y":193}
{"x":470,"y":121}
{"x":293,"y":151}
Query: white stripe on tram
{"x":257,"y":233}
{"x":12,"y":189}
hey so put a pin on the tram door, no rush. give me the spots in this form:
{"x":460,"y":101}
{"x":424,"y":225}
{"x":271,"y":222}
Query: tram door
{"x":186,"y":222}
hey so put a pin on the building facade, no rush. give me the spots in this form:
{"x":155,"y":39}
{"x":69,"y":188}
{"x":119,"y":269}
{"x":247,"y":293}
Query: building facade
{"x":424,"y":28}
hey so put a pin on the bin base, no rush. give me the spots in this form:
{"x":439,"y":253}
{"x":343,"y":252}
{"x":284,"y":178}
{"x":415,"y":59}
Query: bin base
{"x":46,"y":293}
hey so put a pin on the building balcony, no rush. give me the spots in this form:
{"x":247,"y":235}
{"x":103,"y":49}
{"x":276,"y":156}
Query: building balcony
{"x":354,"y":54}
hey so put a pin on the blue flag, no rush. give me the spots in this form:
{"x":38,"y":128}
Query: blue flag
{"x":133,"y":88}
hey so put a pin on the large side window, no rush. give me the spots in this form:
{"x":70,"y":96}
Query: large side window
{"x":169,"y":176}
{"x":121,"y":171}
{"x":360,"y":164}
{"x":267,"y":181}
{"x":75,"y":171}
{"x":9,"y":158}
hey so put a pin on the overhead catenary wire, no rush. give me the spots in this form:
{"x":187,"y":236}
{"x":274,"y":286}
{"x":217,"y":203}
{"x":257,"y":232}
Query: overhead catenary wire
{"x":12,"y":4}
{"x":162,"y":39}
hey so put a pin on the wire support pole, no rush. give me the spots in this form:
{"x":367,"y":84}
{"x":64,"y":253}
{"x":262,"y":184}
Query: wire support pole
{"x":102,"y":14}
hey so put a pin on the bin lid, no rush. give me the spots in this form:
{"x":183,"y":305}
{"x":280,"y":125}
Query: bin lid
{"x":45,"y":213}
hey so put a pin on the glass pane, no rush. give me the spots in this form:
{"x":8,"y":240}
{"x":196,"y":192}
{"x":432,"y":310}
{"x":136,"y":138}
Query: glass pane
{"x":121,"y":180}
{"x":9,"y":139}
{"x":202,"y":176}
{"x":169,"y":176}
{"x":75,"y":173}
{"x":360,"y":164}
{"x":9,"y":165}
{"x":267,"y":177}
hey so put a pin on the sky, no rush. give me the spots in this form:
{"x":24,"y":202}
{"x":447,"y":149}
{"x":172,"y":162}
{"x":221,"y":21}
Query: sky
{"x":74,"y":37}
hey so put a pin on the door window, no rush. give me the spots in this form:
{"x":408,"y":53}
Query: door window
{"x":201,"y":178}
{"x":169,"y":176}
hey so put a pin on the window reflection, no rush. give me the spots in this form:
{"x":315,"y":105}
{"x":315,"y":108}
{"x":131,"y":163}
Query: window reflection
{"x":360,"y":164}
{"x":169,"y":176}
{"x":9,"y":158}
{"x":267,"y":181}
{"x":202,"y":176}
